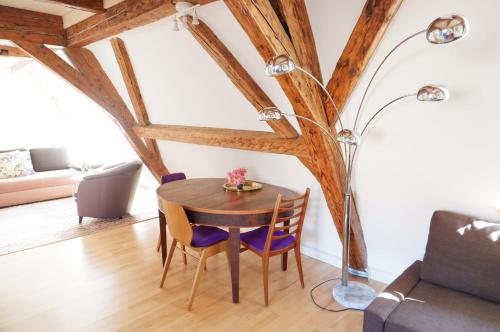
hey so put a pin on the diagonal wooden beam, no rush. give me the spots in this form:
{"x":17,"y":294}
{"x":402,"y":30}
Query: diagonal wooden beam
{"x":365,"y":37}
{"x":261,"y":141}
{"x":238,"y":75}
{"x":6,"y":50}
{"x":90,"y":79}
{"x":94,"y":6}
{"x":123,"y":16}
{"x":294,"y":14}
{"x":21,"y":24}
{"x":262,"y":25}
{"x":88,"y":64}
{"x":132,"y":86}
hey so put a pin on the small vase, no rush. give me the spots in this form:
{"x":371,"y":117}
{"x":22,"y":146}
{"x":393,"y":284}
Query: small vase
{"x":239,"y":186}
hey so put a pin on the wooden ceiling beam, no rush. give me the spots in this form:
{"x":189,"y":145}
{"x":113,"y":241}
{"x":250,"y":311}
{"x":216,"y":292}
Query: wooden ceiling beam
{"x":89,"y":78}
{"x":35,"y":27}
{"x":263,"y":26}
{"x":294,"y":13}
{"x":121,"y":17}
{"x":238,"y":75}
{"x":94,"y":6}
{"x":13,"y":51}
{"x":261,"y":141}
{"x":365,"y":37}
{"x":134,"y":92}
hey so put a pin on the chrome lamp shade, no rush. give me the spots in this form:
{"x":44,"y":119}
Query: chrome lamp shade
{"x":447,"y":29}
{"x":346,"y":136}
{"x":433,"y":93}
{"x":270,"y":114}
{"x":279,"y":65}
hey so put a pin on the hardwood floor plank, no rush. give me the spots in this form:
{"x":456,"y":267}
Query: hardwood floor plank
{"x":108,"y":281}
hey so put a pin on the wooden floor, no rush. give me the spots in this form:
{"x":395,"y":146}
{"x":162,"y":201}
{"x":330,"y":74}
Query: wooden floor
{"x":109,"y":281}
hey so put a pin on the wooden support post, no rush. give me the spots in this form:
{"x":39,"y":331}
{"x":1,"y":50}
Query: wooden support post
{"x":133,"y":89}
{"x":123,"y":16}
{"x":94,"y":6}
{"x":259,"y":20}
{"x":27,"y":25}
{"x":6,"y":50}
{"x":262,"y":141}
{"x":365,"y":37}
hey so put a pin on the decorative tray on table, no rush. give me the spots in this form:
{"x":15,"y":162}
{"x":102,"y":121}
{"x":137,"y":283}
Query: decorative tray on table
{"x":248,"y":186}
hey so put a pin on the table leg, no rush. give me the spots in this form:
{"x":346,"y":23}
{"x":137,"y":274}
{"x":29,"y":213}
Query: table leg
{"x":163,"y":236}
{"x":284,"y":257}
{"x":234,"y":256}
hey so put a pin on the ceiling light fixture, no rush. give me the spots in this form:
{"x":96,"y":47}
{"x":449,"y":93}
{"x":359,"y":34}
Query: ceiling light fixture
{"x":185,"y":9}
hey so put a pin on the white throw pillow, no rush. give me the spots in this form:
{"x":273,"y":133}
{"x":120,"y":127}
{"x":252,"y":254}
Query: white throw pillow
{"x":15,"y":163}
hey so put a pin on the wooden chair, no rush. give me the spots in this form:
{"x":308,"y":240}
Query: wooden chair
{"x":167,"y":179}
{"x":204,"y":240}
{"x":272,"y":240}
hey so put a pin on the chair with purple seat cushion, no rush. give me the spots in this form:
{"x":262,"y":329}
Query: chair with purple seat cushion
{"x":273,"y":240}
{"x":166,"y":179}
{"x":173,"y":177}
{"x":204,"y":240}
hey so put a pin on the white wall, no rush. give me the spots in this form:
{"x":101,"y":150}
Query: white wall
{"x":417,"y":158}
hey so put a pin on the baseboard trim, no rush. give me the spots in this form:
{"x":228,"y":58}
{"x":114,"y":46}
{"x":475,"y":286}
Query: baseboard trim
{"x":373,"y":272}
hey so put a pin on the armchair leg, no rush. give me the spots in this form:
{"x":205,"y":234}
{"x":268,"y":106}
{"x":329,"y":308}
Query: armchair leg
{"x":80,"y":218}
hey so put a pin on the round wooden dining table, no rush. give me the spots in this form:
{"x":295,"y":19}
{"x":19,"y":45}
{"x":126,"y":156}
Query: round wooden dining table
{"x":207,"y":203}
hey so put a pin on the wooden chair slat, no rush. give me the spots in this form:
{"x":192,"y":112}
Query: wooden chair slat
{"x":291,"y":208}
{"x":282,"y":228}
{"x":277,"y":237}
{"x":281,"y":219}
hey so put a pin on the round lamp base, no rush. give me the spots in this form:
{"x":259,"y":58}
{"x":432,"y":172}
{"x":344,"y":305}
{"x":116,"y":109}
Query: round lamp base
{"x":354,"y":296}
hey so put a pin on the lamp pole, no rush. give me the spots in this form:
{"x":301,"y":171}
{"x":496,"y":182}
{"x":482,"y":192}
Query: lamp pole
{"x":442,"y":30}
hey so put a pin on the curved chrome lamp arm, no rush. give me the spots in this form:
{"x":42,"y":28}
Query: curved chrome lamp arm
{"x":323,"y":128}
{"x":377,"y":70}
{"x":374,"y":116}
{"x":326,"y":92}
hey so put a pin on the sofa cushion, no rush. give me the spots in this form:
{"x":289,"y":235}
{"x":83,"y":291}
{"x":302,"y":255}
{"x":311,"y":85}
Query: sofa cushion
{"x":40,"y":180}
{"x":463,"y":253}
{"x":15,"y":163}
{"x":429,"y":307}
{"x":49,"y":159}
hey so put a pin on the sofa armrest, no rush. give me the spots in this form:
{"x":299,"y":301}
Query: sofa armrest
{"x":384,"y":304}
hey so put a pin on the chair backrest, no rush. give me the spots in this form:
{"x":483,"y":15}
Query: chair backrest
{"x":178,"y":223}
{"x":173,"y":177}
{"x":290,"y":213}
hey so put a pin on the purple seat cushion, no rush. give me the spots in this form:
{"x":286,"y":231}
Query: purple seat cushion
{"x":257,"y":239}
{"x":173,"y":177}
{"x":204,"y":236}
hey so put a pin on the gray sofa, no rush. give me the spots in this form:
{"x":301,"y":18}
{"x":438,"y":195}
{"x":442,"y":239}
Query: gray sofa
{"x":108,"y":194}
{"x":455,"y":288}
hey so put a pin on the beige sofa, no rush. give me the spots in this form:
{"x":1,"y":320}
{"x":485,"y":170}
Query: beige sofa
{"x":53,"y":178}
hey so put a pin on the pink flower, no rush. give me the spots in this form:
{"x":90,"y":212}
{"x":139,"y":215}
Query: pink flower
{"x":237,"y":176}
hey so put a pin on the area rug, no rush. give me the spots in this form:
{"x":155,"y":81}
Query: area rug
{"x":32,"y":225}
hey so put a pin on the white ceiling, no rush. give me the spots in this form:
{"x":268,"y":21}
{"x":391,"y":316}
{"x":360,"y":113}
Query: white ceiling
{"x":70,"y":15}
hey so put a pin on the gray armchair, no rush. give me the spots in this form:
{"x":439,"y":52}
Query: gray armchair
{"x":108,"y":194}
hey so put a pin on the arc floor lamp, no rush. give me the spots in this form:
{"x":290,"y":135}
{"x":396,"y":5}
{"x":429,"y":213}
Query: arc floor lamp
{"x":443,"y":30}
